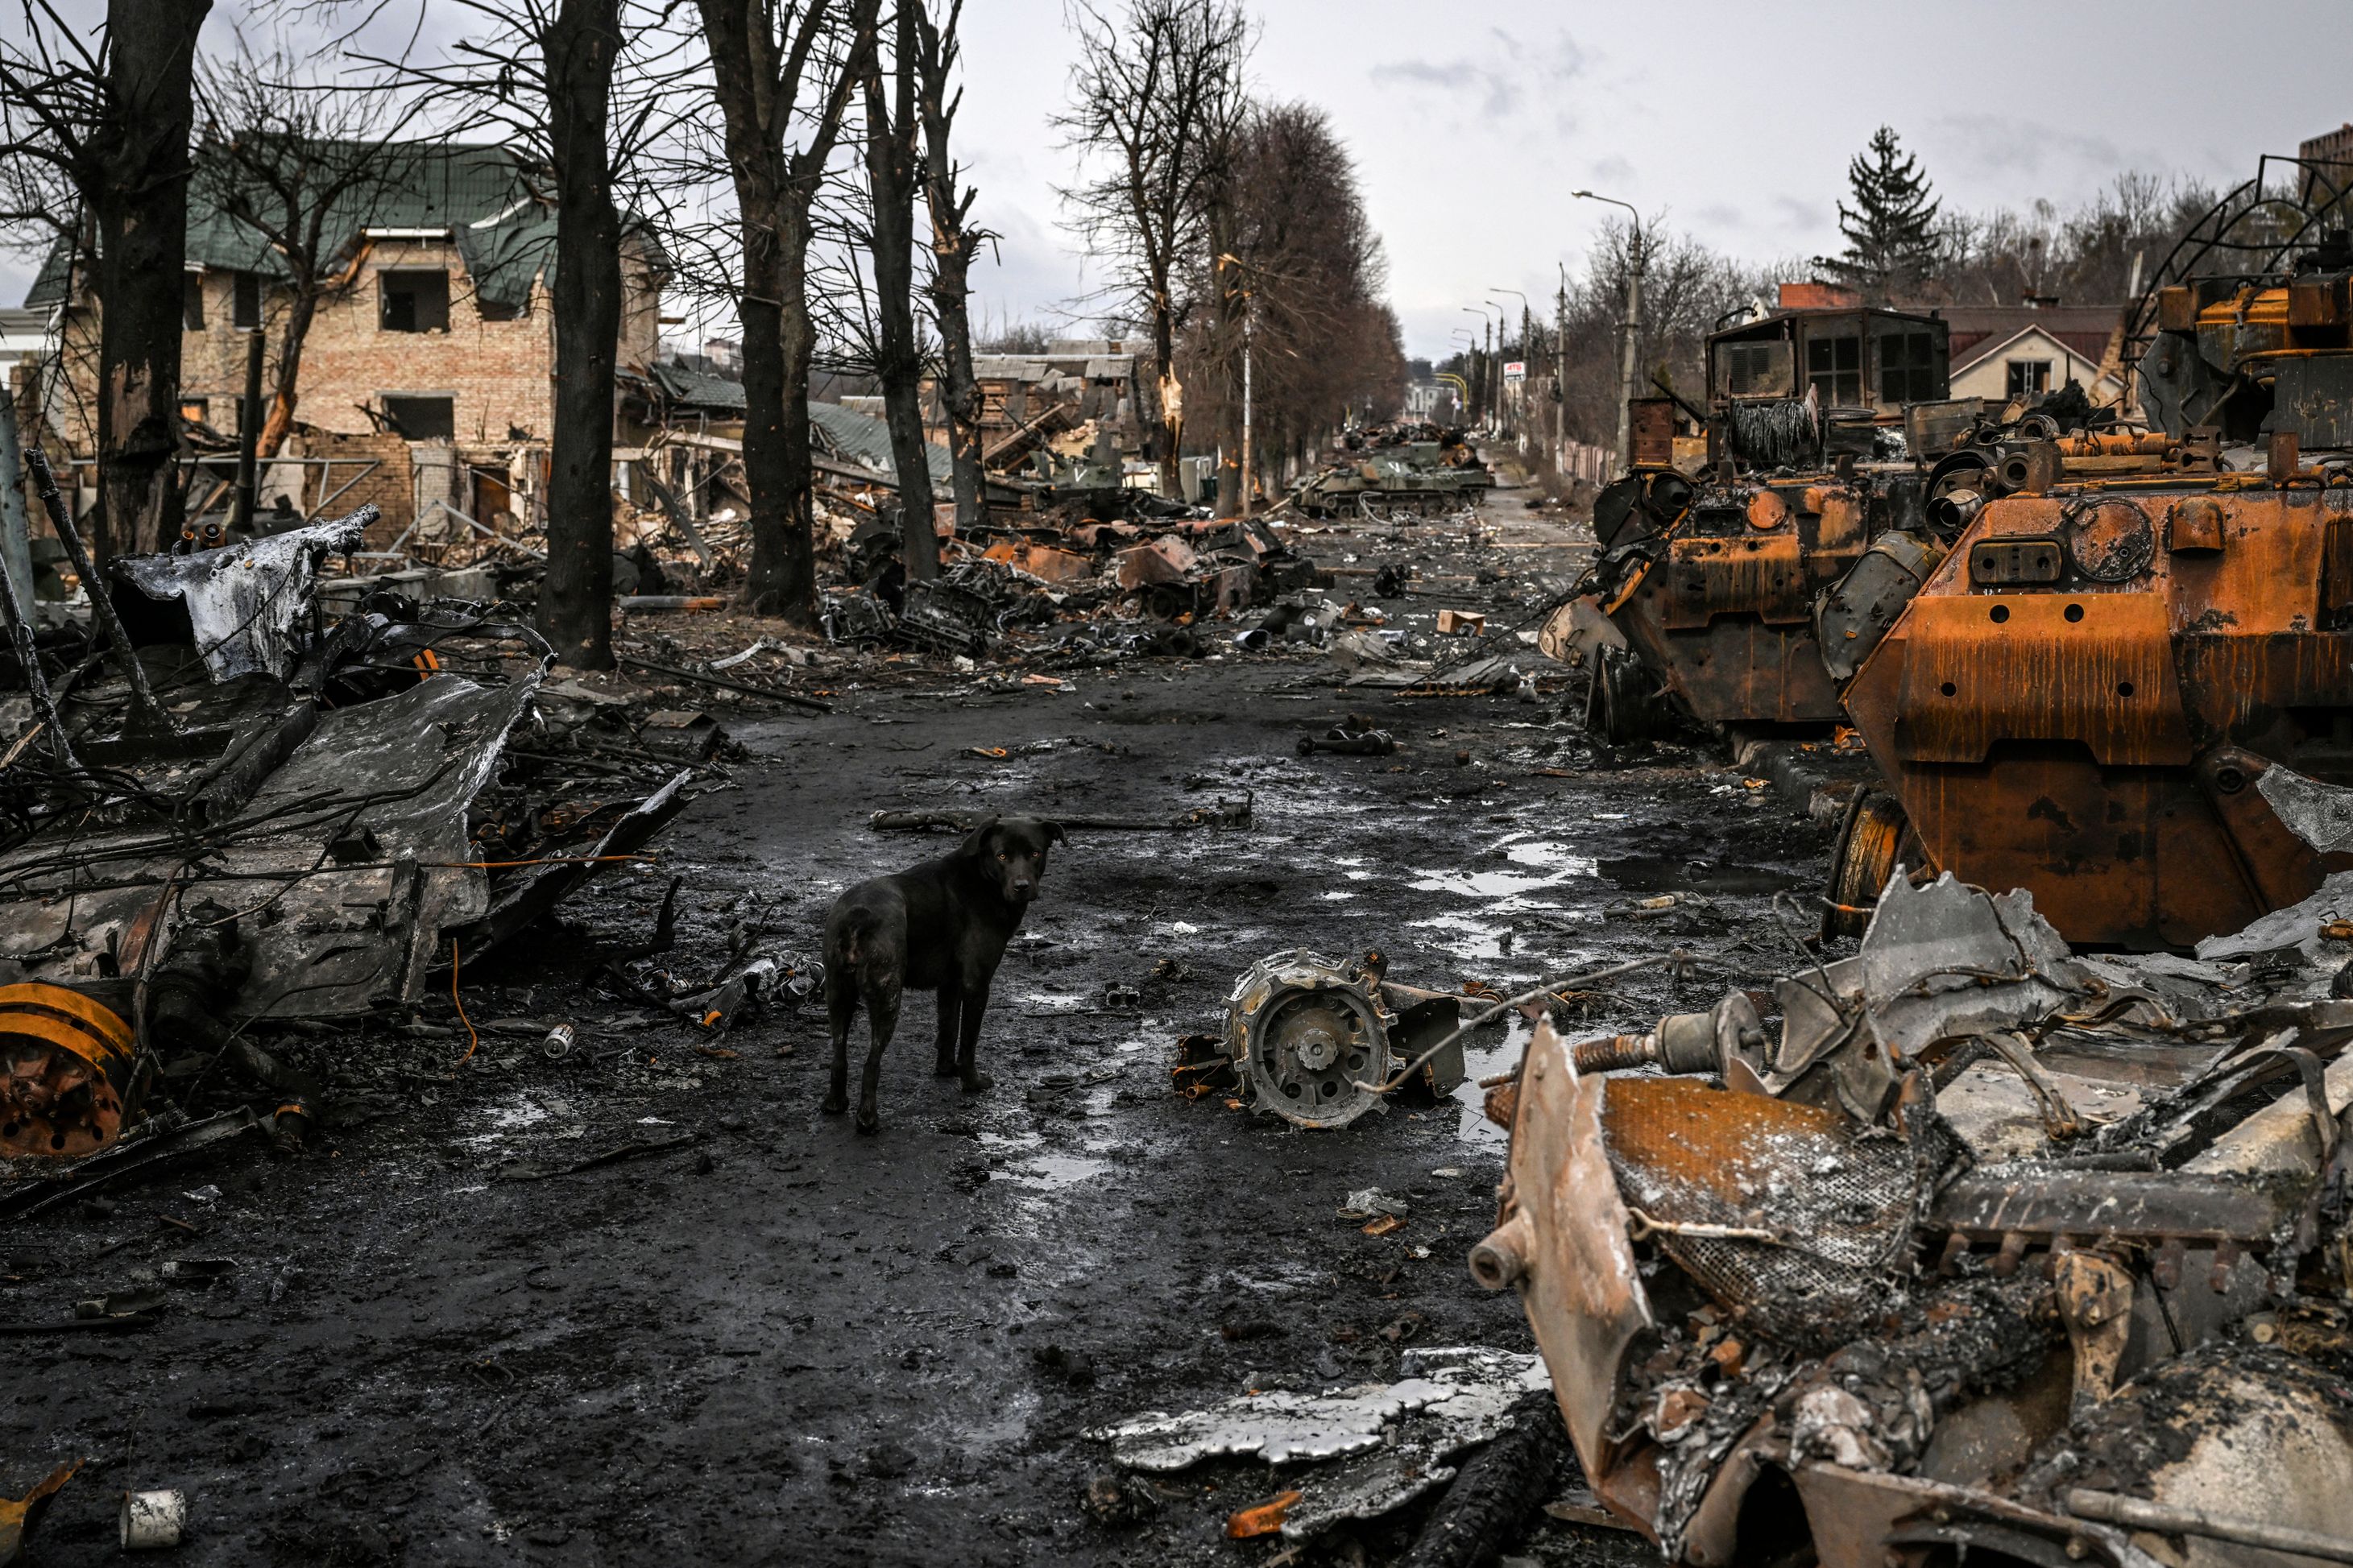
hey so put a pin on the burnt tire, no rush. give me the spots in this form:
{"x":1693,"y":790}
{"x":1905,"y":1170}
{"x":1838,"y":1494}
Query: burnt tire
{"x":1623,"y":703}
{"x":1874,"y":837}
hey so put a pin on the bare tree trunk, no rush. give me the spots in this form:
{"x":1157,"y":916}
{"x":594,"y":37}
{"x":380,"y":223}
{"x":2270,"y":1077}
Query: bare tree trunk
{"x":898,"y":364}
{"x":757,"y":79}
{"x":293,"y":333}
{"x":576,"y":598}
{"x":141,"y":203}
{"x":953,"y":244}
{"x":789,"y":587}
{"x":1164,"y":426}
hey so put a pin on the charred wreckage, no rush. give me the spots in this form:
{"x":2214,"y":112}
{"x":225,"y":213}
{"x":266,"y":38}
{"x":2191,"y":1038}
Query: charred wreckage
{"x":223,"y":813}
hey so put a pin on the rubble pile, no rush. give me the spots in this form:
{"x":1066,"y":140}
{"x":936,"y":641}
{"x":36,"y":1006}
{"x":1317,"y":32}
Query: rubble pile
{"x":228,"y":817}
{"x":1998,"y":1247}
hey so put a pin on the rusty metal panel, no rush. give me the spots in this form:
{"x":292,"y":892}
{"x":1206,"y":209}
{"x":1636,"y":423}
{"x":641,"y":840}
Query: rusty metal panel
{"x":1762,"y":574}
{"x":1654,"y":432}
{"x":1563,"y":1233}
{"x":2097,"y":669}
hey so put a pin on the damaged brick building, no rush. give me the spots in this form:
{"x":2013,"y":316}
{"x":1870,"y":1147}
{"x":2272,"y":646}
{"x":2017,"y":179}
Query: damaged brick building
{"x":425,"y":371}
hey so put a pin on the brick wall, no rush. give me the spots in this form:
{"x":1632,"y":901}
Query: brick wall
{"x":497,"y":372}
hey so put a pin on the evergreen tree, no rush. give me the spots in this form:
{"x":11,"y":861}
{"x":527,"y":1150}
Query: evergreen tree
{"x":1891,"y":238}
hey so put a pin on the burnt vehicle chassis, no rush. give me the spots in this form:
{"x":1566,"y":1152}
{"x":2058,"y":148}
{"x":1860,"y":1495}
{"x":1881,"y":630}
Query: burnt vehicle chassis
{"x":1713,"y":584}
{"x":2089,"y":698}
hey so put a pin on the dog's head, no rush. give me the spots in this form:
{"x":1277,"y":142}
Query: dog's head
{"x":1012,"y":852}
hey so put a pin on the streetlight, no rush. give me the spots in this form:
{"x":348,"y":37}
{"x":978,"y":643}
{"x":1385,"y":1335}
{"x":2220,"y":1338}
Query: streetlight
{"x":1249,"y":317}
{"x":1493,"y":332}
{"x":1633,"y":331}
{"x":1467,"y":341}
{"x":1478,"y":357}
{"x":1524,"y":334}
{"x":1503,"y":310}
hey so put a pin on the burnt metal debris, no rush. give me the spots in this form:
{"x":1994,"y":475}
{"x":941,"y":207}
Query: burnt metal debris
{"x":286,"y":816}
{"x":1993,"y":1247}
{"x":2134,"y":630}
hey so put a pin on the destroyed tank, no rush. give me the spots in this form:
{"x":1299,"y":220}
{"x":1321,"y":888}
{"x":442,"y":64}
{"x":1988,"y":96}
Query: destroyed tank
{"x":1408,"y":480}
{"x":1710,"y":583}
{"x":2127,"y":686}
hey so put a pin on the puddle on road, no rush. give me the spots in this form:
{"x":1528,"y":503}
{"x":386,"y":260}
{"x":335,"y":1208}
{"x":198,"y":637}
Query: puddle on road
{"x":1464,"y":936}
{"x":1472,"y":1126}
{"x":1665,"y":874}
{"x":1546,"y":863}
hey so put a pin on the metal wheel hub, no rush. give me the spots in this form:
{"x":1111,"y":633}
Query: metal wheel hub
{"x":1306,"y":1031}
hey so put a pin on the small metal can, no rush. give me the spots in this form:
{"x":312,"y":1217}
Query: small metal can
{"x":559,"y":1042}
{"x":154,"y":1520}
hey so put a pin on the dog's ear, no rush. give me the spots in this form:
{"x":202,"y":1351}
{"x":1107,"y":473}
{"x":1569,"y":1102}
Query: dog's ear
{"x":977,"y":842}
{"x":1054,"y":833}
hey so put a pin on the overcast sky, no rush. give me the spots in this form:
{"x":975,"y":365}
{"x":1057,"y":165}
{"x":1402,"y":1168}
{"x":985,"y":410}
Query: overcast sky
{"x":1471,"y":121}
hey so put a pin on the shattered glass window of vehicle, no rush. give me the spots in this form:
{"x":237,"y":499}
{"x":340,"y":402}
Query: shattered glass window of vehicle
{"x":1754,"y":370}
{"x":1834,"y":369}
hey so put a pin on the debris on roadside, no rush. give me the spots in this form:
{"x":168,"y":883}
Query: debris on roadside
{"x":1992,"y":1235}
{"x":1316,"y":1041}
{"x":272,"y":817}
{"x":1352,"y":1453}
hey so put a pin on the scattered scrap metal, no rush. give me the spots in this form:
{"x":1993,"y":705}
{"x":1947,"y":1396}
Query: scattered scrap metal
{"x":223,"y":807}
{"x":1998,"y":1248}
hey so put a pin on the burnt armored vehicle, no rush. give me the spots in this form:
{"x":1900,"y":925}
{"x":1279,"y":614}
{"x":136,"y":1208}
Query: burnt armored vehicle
{"x":2116,"y":690}
{"x":1711,"y":580}
{"x":1432,"y":473}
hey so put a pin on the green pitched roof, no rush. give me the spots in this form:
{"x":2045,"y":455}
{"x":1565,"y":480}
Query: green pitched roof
{"x":504,"y":229}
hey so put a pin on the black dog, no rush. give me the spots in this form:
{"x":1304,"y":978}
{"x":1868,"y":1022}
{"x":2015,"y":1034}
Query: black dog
{"x":942,"y":926}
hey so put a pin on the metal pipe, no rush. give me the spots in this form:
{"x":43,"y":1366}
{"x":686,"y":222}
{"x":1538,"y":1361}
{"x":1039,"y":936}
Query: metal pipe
{"x":248,"y":431}
{"x":145,"y":709}
{"x":2110,"y":1508}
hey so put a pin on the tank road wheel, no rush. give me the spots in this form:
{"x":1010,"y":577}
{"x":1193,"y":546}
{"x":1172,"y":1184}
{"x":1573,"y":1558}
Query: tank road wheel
{"x":1622,"y":701}
{"x":1874,"y":837}
{"x":1310,"y":1048}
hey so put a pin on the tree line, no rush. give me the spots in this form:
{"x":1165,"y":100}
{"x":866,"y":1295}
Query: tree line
{"x":1902,"y":246}
{"x":846,"y":226}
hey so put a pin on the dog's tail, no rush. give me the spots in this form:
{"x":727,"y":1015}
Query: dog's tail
{"x":857,"y":926}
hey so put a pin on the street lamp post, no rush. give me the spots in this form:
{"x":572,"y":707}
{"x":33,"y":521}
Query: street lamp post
{"x":1633,"y":333}
{"x":1526,"y":340}
{"x":1481,"y":382}
{"x":1560,"y":372}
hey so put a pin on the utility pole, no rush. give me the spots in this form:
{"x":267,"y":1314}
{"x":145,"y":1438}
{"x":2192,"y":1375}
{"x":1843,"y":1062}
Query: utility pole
{"x":1560,"y":371}
{"x":1527,"y":344}
{"x":1633,"y":333}
{"x":1249,"y":314}
{"x":248,"y":431}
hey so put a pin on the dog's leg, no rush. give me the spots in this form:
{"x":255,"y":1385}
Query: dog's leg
{"x":841,"y":1011}
{"x":881,"y":1022}
{"x":975,"y":1005}
{"x":951,"y":1009}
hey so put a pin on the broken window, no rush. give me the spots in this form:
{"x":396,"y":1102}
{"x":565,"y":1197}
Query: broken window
{"x":1908,"y":371}
{"x":414,"y":301}
{"x":422,"y":418}
{"x":1754,"y":370}
{"x":192,"y":301}
{"x":1834,"y":369}
{"x":2029,"y":378}
{"x":245,"y":306}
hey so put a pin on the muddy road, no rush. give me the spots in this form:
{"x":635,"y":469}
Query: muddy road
{"x":780,"y":1343}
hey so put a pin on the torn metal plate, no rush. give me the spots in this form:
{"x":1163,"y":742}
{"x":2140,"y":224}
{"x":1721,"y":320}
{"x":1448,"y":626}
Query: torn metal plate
{"x":2319,"y":813}
{"x":243,"y":600}
{"x":1459,"y":1397}
{"x":329,"y":934}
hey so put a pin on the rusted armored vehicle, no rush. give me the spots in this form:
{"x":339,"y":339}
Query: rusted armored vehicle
{"x":1395,"y":481}
{"x":1711,"y":580}
{"x":2110,"y":691}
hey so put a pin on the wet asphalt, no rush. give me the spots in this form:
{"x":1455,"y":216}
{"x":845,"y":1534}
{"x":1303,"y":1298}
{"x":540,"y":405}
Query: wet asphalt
{"x":782,"y":1342}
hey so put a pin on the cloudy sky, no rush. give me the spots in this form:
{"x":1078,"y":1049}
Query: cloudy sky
{"x":1471,"y":121}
